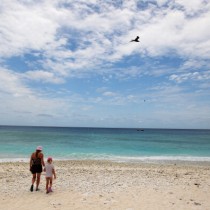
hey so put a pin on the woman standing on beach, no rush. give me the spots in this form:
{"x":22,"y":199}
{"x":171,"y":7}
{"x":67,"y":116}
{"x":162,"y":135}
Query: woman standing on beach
{"x":36,"y":163}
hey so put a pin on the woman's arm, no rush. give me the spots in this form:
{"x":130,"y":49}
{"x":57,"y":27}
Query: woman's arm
{"x":42,"y":160}
{"x":30,"y":163}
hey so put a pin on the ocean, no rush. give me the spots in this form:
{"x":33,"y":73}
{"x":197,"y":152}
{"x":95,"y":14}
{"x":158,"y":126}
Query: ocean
{"x":115,"y":144}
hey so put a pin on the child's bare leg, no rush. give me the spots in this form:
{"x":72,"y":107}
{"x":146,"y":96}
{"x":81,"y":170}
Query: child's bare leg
{"x":47,"y":183}
{"x":51,"y":182}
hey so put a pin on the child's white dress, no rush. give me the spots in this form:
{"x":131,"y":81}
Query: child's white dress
{"x":49,"y":169}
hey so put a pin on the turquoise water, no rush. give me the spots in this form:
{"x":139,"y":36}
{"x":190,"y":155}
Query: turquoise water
{"x":105,"y":143}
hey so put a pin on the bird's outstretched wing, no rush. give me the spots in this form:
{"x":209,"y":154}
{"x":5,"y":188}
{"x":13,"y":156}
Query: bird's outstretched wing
{"x":136,"y":39}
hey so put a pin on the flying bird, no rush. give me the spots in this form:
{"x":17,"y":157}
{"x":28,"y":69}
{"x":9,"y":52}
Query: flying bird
{"x":136,"y":39}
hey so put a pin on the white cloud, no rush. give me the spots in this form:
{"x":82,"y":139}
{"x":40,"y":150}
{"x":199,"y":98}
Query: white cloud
{"x":199,"y":76}
{"x":194,"y":64}
{"x":25,"y":27}
{"x":10,"y":84}
{"x":43,"y":76}
{"x":21,"y":103}
{"x":103,"y":34}
{"x":78,"y":38}
{"x":175,"y":32}
{"x":109,"y":93}
{"x":193,"y":6}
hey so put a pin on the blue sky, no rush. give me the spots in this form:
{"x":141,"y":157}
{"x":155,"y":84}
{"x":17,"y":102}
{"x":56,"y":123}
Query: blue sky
{"x":71,"y":63}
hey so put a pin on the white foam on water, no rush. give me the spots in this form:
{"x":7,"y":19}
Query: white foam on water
{"x":146,"y":159}
{"x":5,"y":160}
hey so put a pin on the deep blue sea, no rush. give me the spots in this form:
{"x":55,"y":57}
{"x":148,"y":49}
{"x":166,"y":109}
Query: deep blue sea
{"x":116,"y":144}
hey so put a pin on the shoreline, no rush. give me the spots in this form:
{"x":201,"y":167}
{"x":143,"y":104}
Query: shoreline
{"x":116,"y":158}
{"x":204,"y":162}
{"x":97,"y":185}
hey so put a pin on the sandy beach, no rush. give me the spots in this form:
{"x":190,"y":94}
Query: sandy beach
{"x":108,"y":185}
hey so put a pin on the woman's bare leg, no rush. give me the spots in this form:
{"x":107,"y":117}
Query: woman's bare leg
{"x":38,"y":180}
{"x":32,"y":182}
{"x":33,"y":178}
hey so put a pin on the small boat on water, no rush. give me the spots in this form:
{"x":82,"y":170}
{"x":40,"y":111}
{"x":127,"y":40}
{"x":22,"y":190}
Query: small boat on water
{"x":140,"y":129}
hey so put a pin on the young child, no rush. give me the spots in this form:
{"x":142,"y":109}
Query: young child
{"x":50,"y":171}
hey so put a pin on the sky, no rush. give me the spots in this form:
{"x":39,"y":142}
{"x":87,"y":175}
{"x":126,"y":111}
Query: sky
{"x":71,"y":63}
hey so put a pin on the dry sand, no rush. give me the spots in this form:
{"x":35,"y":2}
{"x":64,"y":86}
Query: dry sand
{"x":108,"y":185}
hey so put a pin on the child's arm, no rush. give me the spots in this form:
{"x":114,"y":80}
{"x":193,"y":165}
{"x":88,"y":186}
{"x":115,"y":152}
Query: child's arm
{"x":54,"y":173}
